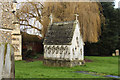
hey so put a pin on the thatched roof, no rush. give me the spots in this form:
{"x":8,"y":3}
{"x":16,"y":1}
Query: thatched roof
{"x":60,"y":33}
{"x":30,"y":38}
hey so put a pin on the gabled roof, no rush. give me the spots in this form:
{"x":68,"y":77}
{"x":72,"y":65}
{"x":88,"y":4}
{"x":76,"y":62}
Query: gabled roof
{"x":60,"y":33}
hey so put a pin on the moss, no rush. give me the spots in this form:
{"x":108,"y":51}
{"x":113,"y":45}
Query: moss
{"x":5,"y":51}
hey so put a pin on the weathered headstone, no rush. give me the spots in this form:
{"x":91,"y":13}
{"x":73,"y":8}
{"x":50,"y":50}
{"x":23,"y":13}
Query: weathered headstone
{"x":7,"y":67}
{"x":117,"y":52}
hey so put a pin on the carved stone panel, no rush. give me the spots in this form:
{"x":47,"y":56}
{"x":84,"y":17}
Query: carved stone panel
{"x":56,"y":52}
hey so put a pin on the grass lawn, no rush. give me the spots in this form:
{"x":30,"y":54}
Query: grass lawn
{"x":101,"y":65}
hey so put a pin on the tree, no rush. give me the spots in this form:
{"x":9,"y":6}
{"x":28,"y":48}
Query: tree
{"x":90,"y":15}
{"x":109,"y":39}
{"x":118,"y":23}
{"x":28,"y":11}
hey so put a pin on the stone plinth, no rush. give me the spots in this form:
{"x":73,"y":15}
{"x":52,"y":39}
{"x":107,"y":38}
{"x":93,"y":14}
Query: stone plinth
{"x":63,"y":63}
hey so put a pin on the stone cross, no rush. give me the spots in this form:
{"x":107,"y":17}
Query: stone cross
{"x":51,"y":18}
{"x":76,"y":16}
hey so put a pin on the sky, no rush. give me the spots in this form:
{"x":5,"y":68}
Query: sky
{"x":116,"y":3}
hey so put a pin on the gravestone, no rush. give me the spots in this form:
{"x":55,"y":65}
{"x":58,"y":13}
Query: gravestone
{"x":7,"y":67}
{"x":117,"y":52}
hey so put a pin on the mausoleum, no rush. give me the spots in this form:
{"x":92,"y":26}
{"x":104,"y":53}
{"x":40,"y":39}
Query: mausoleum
{"x":63,"y":44}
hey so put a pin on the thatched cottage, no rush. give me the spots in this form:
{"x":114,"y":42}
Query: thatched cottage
{"x":63,"y":44}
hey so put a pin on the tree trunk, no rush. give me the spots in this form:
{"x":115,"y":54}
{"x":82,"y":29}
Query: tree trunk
{"x":7,"y":67}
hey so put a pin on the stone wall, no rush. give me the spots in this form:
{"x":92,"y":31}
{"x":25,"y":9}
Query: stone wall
{"x":77,"y":47}
{"x":17,"y":41}
{"x":5,"y":36}
{"x":7,"y":17}
{"x":17,"y":44}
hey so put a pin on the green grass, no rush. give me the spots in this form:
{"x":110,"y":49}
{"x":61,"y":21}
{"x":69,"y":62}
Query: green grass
{"x":101,"y":65}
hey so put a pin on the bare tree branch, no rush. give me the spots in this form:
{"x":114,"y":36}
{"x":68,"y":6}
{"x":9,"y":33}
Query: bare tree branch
{"x":30,"y":26}
{"x":27,"y":11}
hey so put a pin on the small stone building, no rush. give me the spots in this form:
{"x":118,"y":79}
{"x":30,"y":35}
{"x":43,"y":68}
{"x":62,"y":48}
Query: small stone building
{"x":63,"y":45}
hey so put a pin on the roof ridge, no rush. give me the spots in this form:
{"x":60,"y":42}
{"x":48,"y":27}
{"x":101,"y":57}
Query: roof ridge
{"x":62,"y":23}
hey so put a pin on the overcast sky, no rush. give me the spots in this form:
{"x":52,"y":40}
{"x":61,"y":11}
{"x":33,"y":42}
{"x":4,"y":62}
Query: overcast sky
{"x":116,"y":3}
